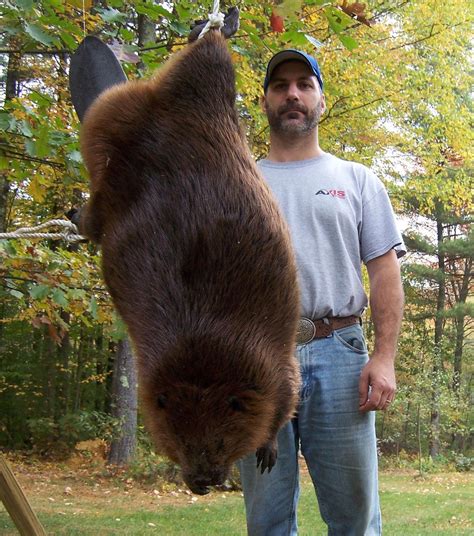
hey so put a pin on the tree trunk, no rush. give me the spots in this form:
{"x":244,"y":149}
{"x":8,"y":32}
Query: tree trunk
{"x":404,"y":434}
{"x":52,"y":374}
{"x":418,"y":437}
{"x":79,"y":370}
{"x":111,"y":351}
{"x":460,"y":325}
{"x":4,"y":189}
{"x":64,"y":377}
{"x":146,"y":30}
{"x":460,"y":328}
{"x":11,"y":91}
{"x":435,"y":443}
{"x":100,"y":392}
{"x":124,"y":405}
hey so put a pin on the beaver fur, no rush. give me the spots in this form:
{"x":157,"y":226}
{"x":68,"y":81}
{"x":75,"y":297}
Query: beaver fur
{"x":198,"y":262}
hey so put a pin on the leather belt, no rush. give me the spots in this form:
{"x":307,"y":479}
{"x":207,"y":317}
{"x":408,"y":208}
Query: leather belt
{"x":318,"y":329}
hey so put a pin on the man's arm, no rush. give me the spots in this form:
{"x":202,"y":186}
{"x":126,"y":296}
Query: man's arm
{"x":377,"y":381}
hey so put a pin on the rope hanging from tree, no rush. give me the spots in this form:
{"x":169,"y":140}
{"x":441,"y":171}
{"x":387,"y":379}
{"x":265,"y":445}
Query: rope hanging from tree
{"x":70,"y":232}
{"x":216,"y":20}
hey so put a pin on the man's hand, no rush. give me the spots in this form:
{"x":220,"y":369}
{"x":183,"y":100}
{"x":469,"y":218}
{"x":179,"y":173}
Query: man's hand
{"x":377,"y":381}
{"x":377,"y":384}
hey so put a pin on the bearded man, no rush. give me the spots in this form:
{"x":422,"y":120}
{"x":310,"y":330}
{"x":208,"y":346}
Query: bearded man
{"x":339,"y":216}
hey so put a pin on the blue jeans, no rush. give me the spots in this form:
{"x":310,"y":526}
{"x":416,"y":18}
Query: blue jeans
{"x":336,"y":440}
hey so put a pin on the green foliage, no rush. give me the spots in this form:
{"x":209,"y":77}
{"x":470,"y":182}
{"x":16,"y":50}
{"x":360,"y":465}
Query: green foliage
{"x":84,"y":425}
{"x":44,"y":432}
{"x":59,"y":438}
{"x":149,"y":468}
{"x":463,"y":463}
{"x":406,"y":461}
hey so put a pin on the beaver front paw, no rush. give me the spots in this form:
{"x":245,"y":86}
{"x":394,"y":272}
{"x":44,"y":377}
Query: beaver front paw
{"x":267,"y":456}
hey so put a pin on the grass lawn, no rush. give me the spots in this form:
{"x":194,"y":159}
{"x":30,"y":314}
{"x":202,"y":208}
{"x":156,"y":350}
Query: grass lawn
{"x":72,"y":503}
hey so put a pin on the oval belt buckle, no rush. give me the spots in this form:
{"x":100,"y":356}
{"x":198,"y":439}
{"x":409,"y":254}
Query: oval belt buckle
{"x":306,"y":330}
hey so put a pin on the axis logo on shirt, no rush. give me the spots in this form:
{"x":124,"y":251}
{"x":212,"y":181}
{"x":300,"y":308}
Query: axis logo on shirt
{"x":335,"y":193}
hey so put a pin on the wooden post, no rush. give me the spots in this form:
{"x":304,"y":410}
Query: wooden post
{"x":17,"y":504}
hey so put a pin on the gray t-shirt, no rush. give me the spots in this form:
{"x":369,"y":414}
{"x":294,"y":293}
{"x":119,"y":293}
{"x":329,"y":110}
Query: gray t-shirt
{"x":339,"y":214}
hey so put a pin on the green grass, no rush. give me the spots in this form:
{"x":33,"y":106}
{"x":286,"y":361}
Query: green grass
{"x":168,"y":521}
{"x":440,"y":504}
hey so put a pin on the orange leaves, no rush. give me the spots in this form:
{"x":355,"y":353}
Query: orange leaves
{"x":56,"y":336}
{"x":38,"y":321}
{"x":285,"y":10}
{"x":276,"y":22}
{"x":453,"y":158}
{"x":355,"y":10}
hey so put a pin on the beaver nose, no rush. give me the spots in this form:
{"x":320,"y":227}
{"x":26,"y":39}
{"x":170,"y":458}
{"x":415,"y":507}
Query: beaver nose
{"x":200,"y":486}
{"x":199,"y":491}
{"x":200,"y":483}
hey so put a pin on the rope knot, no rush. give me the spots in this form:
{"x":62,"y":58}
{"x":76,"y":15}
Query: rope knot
{"x":216,"y":20}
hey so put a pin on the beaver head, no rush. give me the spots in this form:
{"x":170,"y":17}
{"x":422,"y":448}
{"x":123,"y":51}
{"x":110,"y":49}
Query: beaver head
{"x":209,"y":405}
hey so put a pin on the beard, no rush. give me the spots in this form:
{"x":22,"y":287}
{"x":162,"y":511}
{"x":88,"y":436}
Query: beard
{"x":282,"y":124}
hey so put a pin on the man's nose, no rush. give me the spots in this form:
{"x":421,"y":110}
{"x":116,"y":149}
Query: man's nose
{"x":293,"y":92}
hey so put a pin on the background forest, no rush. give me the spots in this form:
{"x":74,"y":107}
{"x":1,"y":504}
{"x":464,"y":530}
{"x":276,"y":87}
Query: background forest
{"x":398,"y":84}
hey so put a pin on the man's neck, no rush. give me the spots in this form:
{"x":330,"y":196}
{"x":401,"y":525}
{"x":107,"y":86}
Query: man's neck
{"x":289,"y":149}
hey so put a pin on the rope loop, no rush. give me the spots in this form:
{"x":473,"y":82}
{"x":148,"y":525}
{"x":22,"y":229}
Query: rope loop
{"x":69,"y":234}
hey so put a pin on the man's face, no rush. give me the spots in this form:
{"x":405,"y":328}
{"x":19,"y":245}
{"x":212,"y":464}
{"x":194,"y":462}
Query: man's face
{"x":294,"y":101}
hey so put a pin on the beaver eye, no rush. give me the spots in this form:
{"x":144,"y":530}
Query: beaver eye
{"x":161,"y":401}
{"x":236,"y":404}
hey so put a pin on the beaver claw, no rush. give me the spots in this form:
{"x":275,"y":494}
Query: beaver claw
{"x":231,"y":25}
{"x":267,"y":456}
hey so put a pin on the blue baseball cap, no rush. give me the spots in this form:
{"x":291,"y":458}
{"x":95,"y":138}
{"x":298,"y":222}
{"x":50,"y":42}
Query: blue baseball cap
{"x":292,"y":54}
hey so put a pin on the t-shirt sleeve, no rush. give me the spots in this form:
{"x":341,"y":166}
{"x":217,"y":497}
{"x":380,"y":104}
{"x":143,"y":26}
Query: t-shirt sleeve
{"x":379,"y":231}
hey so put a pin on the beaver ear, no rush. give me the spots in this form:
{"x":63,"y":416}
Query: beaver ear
{"x":161,"y":401}
{"x":236,"y":404}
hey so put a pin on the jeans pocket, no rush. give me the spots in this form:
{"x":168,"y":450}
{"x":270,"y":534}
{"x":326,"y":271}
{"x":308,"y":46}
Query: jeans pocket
{"x":352,"y":338}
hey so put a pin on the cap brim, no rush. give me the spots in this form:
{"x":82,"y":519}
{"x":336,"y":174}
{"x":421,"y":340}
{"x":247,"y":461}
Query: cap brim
{"x":286,"y":55}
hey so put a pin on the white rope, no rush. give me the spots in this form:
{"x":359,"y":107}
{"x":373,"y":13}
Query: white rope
{"x":70,"y":233}
{"x":216,"y":20}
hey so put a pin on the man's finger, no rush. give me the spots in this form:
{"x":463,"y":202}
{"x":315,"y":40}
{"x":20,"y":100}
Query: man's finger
{"x":363,"y":389}
{"x":383,"y":400}
{"x":388,"y":401}
{"x":374,"y":400}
